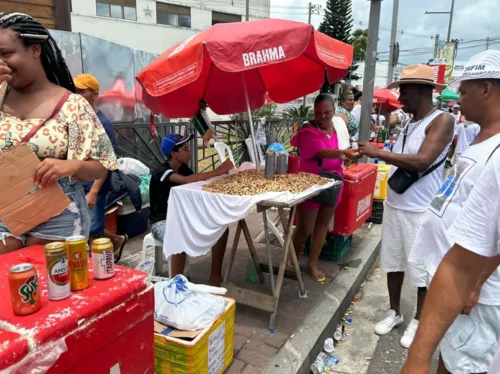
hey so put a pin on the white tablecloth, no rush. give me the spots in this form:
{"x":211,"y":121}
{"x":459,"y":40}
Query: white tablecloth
{"x":196,"y":219}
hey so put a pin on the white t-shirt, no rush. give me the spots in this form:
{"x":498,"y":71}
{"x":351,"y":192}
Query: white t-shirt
{"x":381,"y":120}
{"x":419,"y":195}
{"x":356,"y":112}
{"x":477,"y":228}
{"x":433,"y":240}
{"x":466,"y":133}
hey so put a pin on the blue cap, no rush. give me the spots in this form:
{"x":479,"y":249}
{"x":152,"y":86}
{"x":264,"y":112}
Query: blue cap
{"x":172,"y":140}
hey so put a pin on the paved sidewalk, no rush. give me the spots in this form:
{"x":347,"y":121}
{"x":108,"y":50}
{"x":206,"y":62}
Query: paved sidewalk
{"x":254,"y":345}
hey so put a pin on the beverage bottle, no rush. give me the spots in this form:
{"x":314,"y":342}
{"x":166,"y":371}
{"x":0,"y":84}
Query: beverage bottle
{"x":251,"y":270}
{"x":318,"y":366}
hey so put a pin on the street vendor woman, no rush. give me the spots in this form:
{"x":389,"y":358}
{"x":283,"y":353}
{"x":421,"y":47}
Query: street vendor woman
{"x":37,"y":93}
{"x":174,"y":172}
{"x":318,"y":145}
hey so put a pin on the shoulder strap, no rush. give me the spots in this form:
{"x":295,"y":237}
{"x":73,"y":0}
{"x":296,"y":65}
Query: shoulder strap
{"x":433,"y":167}
{"x":54,"y":113}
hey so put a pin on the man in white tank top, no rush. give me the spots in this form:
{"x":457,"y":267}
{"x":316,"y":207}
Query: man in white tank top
{"x":420,"y":150}
{"x":465,"y":211}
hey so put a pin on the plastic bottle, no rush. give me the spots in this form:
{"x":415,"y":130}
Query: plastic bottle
{"x":319,"y":366}
{"x":387,"y":145}
{"x":252,"y":275}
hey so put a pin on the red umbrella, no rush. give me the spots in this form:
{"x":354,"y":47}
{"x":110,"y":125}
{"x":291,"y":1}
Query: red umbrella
{"x":232,"y":66}
{"x":386,"y":99}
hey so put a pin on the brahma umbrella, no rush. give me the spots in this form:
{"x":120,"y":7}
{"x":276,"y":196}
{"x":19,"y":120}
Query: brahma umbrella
{"x":232,"y":66}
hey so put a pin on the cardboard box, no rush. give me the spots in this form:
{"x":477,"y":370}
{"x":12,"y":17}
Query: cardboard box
{"x":21,"y":206}
{"x":208,"y":351}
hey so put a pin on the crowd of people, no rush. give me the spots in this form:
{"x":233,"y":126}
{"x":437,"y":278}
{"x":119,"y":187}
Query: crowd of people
{"x":440,"y":229}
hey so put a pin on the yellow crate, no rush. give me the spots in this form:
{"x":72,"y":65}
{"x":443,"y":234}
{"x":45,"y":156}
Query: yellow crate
{"x":380,"y":192}
{"x":211,"y":352}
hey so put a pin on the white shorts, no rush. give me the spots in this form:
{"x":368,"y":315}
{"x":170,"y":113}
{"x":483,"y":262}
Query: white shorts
{"x":398,"y":234}
{"x":470,"y":343}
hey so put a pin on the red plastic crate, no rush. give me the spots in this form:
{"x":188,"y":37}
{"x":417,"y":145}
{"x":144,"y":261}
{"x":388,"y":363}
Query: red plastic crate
{"x":108,"y":325}
{"x":357,"y":197}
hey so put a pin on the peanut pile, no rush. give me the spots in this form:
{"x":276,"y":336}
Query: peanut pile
{"x":254,"y":183}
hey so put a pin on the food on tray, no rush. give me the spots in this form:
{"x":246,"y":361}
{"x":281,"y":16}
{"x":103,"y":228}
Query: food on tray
{"x":254,"y":183}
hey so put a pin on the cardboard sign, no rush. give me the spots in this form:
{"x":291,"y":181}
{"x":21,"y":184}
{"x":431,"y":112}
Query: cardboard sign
{"x":21,"y":210}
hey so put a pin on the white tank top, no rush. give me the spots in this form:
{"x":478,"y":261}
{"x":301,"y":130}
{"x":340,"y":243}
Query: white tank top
{"x":418,"y":197}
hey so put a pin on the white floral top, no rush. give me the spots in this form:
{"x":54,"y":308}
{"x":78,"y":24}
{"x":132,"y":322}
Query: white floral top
{"x":75,"y":133}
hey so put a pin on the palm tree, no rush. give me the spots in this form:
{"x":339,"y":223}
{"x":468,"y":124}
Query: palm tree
{"x":302,"y":113}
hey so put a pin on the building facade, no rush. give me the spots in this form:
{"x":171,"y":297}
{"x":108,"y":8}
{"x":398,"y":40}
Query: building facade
{"x":155,"y":25}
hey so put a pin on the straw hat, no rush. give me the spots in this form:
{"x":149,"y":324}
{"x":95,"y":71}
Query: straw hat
{"x":417,"y":74}
{"x":484,"y":65}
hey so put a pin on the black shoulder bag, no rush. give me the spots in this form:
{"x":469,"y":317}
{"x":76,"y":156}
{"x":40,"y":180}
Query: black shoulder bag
{"x":329,"y":196}
{"x":403,"y":179}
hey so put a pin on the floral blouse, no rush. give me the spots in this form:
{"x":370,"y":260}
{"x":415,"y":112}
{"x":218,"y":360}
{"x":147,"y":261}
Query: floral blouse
{"x":352,"y":124}
{"x":75,"y":133}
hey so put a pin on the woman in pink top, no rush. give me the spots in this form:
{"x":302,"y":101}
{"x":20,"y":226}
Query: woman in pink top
{"x":318,"y":145}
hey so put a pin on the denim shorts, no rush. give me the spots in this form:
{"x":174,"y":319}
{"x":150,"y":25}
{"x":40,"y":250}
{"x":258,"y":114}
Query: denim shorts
{"x":74,"y":220}
{"x":97,"y":215}
{"x":158,"y":230}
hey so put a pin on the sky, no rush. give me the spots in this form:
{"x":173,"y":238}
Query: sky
{"x":472,"y":22}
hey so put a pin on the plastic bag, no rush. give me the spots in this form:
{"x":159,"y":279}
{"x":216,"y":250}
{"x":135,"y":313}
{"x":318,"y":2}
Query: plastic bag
{"x":221,"y":149}
{"x":187,"y":306}
{"x":132,"y":166}
{"x":260,"y":134}
{"x":278,"y":148}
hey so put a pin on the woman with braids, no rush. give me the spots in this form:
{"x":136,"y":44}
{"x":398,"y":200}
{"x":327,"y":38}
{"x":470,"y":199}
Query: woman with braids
{"x":346,"y":101}
{"x":38,"y":107}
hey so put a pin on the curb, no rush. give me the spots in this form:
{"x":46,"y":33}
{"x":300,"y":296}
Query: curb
{"x":301,"y":349}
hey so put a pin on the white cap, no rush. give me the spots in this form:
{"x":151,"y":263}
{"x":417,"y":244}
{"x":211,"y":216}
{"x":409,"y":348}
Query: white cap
{"x":329,"y":347}
{"x":484,"y":65}
{"x":456,"y":106}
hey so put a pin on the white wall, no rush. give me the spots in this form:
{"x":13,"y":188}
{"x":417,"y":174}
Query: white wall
{"x":145,"y":34}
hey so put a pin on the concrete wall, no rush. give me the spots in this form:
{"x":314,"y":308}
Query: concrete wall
{"x":145,"y":34}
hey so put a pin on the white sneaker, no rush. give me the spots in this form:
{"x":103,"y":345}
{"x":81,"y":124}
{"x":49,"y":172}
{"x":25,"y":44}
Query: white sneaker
{"x":388,"y":323}
{"x":409,"y":334}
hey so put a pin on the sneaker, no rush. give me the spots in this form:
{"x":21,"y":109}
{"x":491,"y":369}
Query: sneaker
{"x":409,"y":334}
{"x":388,"y":323}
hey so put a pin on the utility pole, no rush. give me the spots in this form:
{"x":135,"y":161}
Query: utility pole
{"x":247,"y":10}
{"x":488,"y":40}
{"x":369,"y":74}
{"x":436,"y":46}
{"x":390,"y":70}
{"x":312,"y":8}
{"x":448,"y":39}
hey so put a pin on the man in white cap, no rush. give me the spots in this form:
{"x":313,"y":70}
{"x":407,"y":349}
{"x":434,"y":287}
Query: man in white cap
{"x":456,"y":113}
{"x":465,"y":216}
{"x":417,"y":167}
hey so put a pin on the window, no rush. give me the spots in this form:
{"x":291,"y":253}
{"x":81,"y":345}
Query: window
{"x":219,"y":17}
{"x":173,"y":15}
{"x":123,"y":9}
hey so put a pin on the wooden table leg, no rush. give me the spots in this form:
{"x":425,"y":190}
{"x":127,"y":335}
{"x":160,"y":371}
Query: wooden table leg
{"x":253,"y":252}
{"x":288,"y":224}
{"x":281,"y":271}
{"x":236,"y":240}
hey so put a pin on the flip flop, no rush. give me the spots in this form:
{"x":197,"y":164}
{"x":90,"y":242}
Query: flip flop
{"x":120,"y":251}
{"x":320,"y":279}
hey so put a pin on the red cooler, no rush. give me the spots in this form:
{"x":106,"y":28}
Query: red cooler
{"x":357,"y":198}
{"x":106,"y":328}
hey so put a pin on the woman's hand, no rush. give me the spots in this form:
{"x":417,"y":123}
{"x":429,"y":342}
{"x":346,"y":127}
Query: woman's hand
{"x":51,"y":169}
{"x":366,"y":149}
{"x":5,"y":72}
{"x":351,"y":153}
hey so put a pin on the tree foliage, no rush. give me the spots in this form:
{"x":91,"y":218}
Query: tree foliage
{"x":301,"y":112}
{"x":360,"y":42}
{"x":337,"y":23}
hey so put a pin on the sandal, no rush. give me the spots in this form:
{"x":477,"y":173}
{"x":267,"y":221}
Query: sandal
{"x":320,"y":278}
{"x":118,"y":254}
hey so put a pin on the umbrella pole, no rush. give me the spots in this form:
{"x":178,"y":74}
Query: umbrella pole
{"x":254,"y":142}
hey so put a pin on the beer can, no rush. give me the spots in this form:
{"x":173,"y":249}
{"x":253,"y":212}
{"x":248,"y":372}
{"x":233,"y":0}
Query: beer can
{"x":24,"y":289}
{"x":56,"y":262}
{"x":78,"y":262}
{"x":103,"y":258}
